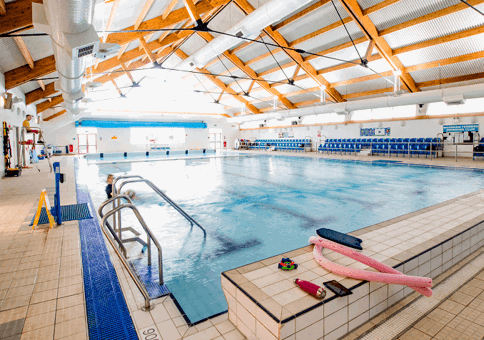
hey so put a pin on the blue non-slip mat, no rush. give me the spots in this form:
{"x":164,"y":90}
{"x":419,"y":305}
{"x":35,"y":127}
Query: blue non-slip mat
{"x":68,"y":212}
{"x":108,"y":316}
{"x":149,"y":275}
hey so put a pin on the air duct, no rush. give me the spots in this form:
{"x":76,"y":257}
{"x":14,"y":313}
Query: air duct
{"x":69,"y":25}
{"x":424,"y":97}
{"x":250,"y":27}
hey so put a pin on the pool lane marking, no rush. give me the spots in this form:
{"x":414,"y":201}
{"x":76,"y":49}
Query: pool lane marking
{"x":165,"y":159}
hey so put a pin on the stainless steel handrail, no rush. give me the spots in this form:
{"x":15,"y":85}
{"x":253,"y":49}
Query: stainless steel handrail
{"x":113,"y":231}
{"x":140,"y":286}
{"x":117,"y":221}
{"x":167,"y":199}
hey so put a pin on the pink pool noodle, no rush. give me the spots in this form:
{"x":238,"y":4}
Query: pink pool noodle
{"x":387,"y":274}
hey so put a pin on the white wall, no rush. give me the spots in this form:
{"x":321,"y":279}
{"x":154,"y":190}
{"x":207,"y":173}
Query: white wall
{"x":420,"y":128}
{"x":14,"y":119}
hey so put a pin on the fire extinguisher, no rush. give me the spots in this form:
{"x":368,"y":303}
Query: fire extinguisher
{"x":225,"y":143}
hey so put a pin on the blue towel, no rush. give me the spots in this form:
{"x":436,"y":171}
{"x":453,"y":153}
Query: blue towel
{"x":33,"y":156}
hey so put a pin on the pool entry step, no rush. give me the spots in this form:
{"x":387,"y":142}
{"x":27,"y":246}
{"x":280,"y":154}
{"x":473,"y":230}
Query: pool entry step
{"x":145,"y":270}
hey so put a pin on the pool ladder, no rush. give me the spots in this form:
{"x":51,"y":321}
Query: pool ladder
{"x":120,"y":249}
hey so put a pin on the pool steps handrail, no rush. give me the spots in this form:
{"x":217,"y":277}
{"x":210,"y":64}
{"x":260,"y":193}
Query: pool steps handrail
{"x":386,"y":273}
{"x":165,"y":197}
{"x":123,"y":259}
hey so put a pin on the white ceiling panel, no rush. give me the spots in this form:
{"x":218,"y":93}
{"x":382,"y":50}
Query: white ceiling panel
{"x":374,"y":84}
{"x":449,"y":71}
{"x":406,"y":10}
{"x":449,"y":24}
{"x":446,"y":50}
{"x":10,"y":56}
{"x":320,"y":18}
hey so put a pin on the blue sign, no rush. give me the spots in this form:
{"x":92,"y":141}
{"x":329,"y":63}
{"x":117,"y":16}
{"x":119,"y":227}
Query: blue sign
{"x":365,"y":132}
{"x":130,"y":124}
{"x":461,"y":128}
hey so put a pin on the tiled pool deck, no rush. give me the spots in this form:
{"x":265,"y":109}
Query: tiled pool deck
{"x":42,"y":290}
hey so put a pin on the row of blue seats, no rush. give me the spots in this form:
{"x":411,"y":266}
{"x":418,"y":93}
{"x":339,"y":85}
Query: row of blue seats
{"x":404,"y":146}
{"x":284,"y":144}
{"x":478,"y":150}
{"x":283,"y":140}
{"x":279,"y":146}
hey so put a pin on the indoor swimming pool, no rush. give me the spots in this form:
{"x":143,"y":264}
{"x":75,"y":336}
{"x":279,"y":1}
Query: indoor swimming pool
{"x":254,"y":207}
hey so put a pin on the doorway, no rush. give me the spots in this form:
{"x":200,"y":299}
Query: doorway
{"x":215,"y":141}
{"x":87,"y":143}
{"x":215,"y":138}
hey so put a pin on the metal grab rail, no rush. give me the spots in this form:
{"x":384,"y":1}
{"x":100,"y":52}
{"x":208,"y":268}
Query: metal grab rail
{"x":166,"y":198}
{"x":113,"y":232}
{"x":140,"y":286}
{"x":434,"y":148}
{"x":149,"y":234}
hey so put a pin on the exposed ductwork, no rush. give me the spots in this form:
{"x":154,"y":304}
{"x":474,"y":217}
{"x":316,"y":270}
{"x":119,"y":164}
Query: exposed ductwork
{"x":69,"y":25}
{"x":250,"y":27}
{"x":424,"y":97}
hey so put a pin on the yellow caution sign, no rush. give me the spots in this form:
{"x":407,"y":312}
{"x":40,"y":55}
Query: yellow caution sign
{"x":44,"y":199}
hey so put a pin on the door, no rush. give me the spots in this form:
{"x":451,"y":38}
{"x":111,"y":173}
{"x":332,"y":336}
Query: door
{"x":87,"y":143}
{"x":215,"y":141}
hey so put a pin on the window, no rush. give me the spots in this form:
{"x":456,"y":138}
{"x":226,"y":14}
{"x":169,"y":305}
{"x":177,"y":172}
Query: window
{"x":157,"y":136}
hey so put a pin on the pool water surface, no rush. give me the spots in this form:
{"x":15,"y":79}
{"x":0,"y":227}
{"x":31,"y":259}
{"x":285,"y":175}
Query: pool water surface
{"x":254,"y":207}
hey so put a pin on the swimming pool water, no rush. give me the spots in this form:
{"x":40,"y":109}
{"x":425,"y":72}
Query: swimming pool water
{"x":260,"y":206}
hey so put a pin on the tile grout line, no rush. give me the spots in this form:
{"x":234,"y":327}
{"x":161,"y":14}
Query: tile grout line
{"x":399,"y":323}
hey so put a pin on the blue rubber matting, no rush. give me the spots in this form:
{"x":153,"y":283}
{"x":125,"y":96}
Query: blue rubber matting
{"x":68,"y":212}
{"x":107,"y":313}
{"x":150,"y":275}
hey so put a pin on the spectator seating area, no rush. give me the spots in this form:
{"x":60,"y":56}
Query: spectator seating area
{"x":281,"y":144}
{"x":384,"y":146}
{"x":478,"y":150}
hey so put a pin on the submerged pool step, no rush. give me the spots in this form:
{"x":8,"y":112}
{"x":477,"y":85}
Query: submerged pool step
{"x":148,"y":275}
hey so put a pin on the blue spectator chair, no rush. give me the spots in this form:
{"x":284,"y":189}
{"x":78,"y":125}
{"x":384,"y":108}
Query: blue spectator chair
{"x":413,"y":147}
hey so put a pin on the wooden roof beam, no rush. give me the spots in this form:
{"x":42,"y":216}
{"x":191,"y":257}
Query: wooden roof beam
{"x":248,"y":71}
{"x":38,"y":94}
{"x":169,"y":8}
{"x":379,"y":6}
{"x":175,"y":17}
{"x":55,"y":115}
{"x":3,"y":8}
{"x":431,"y":16}
{"x":112,"y":15}
{"x":125,"y":69}
{"x":117,"y":88}
{"x":306,"y":66}
{"x":122,"y":50}
{"x":23,"y":74}
{"x":220,"y":84}
{"x":148,"y":52}
{"x":451,"y":80}
{"x":371,"y":32}
{"x":190,"y":6}
{"x":41,"y":107}
{"x":17,"y":16}
{"x":24,"y":50}
{"x":143,"y":13}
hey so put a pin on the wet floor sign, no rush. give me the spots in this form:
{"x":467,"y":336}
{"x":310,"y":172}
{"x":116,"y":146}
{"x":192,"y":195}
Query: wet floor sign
{"x":44,"y":199}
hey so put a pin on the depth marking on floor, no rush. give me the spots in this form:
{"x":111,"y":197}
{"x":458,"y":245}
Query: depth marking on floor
{"x":422,"y":306}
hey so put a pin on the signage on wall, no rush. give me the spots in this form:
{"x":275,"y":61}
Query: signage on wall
{"x":375,"y":132}
{"x":461,"y":128}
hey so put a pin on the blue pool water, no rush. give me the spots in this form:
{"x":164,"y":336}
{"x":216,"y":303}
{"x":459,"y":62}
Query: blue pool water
{"x":260,"y":206}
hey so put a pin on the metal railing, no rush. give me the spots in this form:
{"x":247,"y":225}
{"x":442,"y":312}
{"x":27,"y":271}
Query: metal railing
{"x":405,"y":148}
{"x":161,"y":194}
{"x":150,"y":237}
{"x":287,"y":145}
